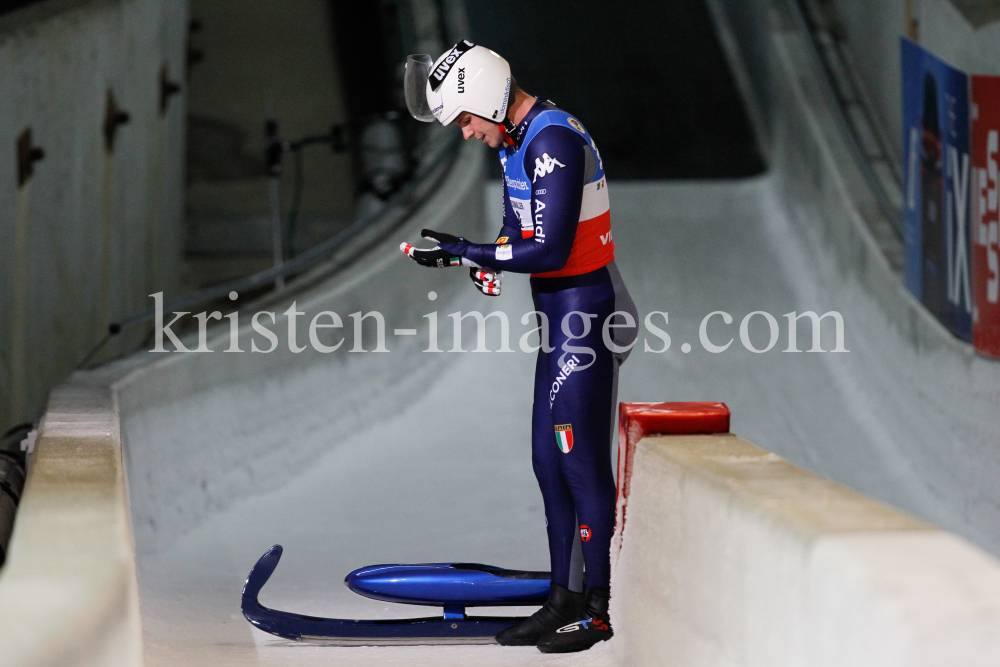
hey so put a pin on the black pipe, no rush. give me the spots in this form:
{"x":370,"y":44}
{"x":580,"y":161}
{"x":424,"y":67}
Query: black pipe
{"x":12,"y":474}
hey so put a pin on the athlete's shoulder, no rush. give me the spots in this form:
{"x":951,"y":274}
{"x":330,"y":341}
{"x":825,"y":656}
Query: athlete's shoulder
{"x":549,"y":114}
{"x":555,"y":136}
{"x":554,"y":126}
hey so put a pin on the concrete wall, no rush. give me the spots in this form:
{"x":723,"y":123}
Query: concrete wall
{"x":732,"y":556}
{"x":934,"y":404}
{"x":93,"y":231}
{"x":260,"y":54}
{"x":945,"y":28}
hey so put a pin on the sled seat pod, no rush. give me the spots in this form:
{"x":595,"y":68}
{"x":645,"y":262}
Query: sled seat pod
{"x":450,"y":585}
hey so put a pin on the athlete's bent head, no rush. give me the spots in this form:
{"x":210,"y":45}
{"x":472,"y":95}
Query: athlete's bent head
{"x":468,"y":85}
{"x":490,"y":133}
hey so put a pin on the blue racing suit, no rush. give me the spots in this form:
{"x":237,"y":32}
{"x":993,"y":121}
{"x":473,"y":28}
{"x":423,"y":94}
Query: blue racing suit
{"x":557,"y":227}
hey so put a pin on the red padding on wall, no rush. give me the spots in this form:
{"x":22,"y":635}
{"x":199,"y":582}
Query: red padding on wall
{"x":637,"y":420}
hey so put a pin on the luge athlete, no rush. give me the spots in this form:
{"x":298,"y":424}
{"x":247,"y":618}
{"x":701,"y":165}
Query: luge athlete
{"x":557,"y":227}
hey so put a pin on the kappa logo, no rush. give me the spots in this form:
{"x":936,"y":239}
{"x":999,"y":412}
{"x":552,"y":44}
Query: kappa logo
{"x":564,"y":438}
{"x":575,"y":124}
{"x":585,"y":533}
{"x":545,"y":165}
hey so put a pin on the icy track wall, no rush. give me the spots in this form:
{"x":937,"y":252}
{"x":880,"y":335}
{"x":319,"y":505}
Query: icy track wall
{"x":91,"y":226}
{"x":931,"y":400}
{"x":172,"y":403}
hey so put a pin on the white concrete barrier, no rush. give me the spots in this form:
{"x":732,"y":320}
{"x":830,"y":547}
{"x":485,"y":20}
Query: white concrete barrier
{"x":68,"y":593}
{"x":732,"y":556}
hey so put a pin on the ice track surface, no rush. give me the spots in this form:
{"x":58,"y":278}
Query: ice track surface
{"x":449,"y":478}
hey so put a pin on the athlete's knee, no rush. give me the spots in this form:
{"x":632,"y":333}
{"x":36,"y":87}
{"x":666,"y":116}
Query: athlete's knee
{"x":590,"y":481}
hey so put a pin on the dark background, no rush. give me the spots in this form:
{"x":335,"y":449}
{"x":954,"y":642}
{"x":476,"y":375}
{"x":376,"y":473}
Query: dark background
{"x":647,"y":78}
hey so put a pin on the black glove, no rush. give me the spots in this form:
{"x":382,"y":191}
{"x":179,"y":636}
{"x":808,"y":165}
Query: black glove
{"x":441,"y":238}
{"x":434,"y":257}
{"x":446,"y":253}
{"x":486,"y":280}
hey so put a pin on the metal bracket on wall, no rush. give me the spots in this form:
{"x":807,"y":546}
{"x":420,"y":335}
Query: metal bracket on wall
{"x":27,"y":155}
{"x":194,"y":55}
{"x":113,"y":118}
{"x":168,"y":89}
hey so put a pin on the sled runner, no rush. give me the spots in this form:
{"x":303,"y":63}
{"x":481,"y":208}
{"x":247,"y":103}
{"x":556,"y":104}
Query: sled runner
{"x":453,"y":586}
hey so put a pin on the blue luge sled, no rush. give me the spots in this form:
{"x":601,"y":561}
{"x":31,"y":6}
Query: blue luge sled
{"x":450,"y":584}
{"x":453,"y":586}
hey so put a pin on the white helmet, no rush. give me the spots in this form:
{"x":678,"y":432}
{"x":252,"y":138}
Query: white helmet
{"x":467,"y":78}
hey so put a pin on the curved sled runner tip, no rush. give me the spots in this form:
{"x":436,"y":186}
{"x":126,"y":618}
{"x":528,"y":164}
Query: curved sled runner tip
{"x":344,"y":632}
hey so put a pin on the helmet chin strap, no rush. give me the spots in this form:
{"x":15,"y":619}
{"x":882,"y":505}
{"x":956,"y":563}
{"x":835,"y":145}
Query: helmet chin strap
{"x":509,"y":131}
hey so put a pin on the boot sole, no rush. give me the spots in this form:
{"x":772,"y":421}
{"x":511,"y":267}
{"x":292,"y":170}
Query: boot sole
{"x":564,"y":648}
{"x":523,"y":642}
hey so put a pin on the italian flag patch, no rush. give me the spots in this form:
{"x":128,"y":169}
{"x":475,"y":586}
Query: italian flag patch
{"x":564,"y":437}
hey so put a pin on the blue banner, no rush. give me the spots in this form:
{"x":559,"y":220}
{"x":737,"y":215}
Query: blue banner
{"x":936,"y":186}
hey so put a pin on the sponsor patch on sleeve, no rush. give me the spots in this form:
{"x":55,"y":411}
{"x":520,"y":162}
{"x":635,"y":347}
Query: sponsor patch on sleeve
{"x":502,"y":240}
{"x":505,"y":251}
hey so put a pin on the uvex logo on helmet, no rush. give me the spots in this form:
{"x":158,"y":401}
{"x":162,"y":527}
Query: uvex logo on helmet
{"x":461,"y":79}
{"x":441,"y":71}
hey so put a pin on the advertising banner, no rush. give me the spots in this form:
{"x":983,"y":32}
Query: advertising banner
{"x":985,"y":235}
{"x":936,"y":186}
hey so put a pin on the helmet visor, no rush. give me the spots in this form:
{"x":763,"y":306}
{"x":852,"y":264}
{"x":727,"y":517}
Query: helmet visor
{"x":418,"y":69}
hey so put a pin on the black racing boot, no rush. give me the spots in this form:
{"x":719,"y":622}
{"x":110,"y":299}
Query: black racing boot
{"x":562,"y":607}
{"x":579,"y":636}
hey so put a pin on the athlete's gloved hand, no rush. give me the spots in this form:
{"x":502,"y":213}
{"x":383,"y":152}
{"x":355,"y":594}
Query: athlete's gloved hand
{"x":434,"y":257}
{"x":446,"y":253}
{"x":486,"y":280}
{"x":449,"y":242}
